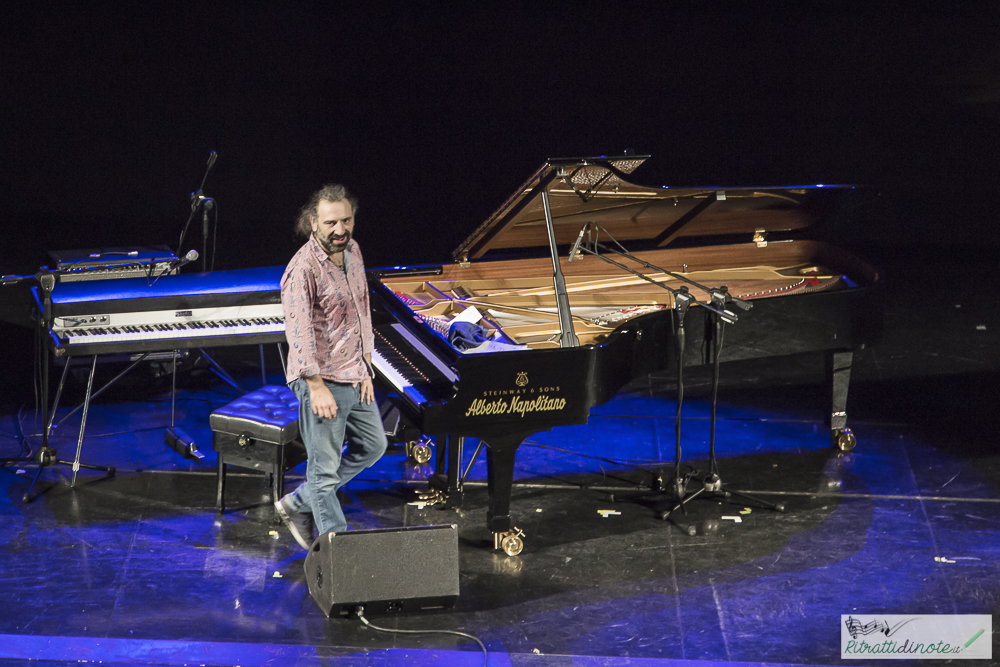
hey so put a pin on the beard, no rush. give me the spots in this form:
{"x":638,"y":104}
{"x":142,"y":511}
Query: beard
{"x":333,"y":245}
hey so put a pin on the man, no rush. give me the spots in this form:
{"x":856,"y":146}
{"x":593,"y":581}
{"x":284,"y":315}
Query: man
{"x":329,"y":331}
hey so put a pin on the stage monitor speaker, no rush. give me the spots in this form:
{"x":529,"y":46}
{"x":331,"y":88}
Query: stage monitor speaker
{"x":384,"y":570}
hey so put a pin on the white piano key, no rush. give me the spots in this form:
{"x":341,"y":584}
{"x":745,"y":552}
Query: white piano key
{"x":424,"y":350}
{"x":396,"y":379}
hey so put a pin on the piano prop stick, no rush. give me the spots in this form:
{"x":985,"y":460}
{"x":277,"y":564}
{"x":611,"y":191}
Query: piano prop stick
{"x":632,"y":313}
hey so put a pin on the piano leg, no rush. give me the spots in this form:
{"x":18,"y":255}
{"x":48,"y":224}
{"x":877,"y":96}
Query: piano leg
{"x":838,"y":369}
{"x":446,"y":479}
{"x":76,"y":465}
{"x":55,"y":402}
{"x":46,"y":456}
{"x":500,"y":455}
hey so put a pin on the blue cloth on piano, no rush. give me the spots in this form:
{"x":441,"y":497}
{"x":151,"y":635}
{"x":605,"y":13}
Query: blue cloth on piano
{"x":465,"y":335}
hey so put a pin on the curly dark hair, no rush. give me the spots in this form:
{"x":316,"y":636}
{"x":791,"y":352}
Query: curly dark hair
{"x":329,"y":192}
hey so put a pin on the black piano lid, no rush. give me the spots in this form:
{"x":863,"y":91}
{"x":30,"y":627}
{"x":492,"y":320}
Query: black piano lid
{"x":594,"y":189}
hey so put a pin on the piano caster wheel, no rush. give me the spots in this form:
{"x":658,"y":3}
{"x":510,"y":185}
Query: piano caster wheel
{"x":420,"y":451}
{"x":512,"y":545}
{"x":421,"y":454}
{"x":510,"y":542}
{"x":843,"y":438}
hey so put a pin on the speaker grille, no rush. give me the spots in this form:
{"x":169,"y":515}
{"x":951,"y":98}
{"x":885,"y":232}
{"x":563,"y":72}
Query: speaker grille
{"x":399,"y":569}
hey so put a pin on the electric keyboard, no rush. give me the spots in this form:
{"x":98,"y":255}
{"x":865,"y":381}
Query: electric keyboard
{"x":214,"y":309}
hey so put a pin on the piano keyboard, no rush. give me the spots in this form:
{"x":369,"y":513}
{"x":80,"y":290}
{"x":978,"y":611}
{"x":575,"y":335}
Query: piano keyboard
{"x":163,"y":329}
{"x":410,"y":366}
{"x":172,"y":331}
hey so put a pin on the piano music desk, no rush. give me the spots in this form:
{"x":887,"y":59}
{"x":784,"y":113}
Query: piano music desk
{"x":259,"y":431}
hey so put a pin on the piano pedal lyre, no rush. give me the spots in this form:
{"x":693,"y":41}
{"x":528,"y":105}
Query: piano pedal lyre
{"x":843,"y":439}
{"x":509,"y":542}
{"x":419,"y":450}
{"x":431,"y":497}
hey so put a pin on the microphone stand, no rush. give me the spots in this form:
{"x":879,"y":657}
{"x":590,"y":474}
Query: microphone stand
{"x":683,"y":299}
{"x":719,"y":298}
{"x":206,"y":207}
{"x":196,"y":200}
{"x":712,"y":484}
{"x":46,"y":456}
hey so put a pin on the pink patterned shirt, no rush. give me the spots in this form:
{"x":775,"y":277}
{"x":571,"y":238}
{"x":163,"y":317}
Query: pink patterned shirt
{"x":328,"y":320}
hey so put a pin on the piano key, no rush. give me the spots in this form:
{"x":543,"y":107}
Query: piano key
{"x":426,"y":352}
{"x":403,"y":385}
{"x":167,"y":332}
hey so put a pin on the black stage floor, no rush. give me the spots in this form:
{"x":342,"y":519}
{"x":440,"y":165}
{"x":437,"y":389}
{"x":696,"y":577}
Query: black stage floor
{"x":139,"y":569}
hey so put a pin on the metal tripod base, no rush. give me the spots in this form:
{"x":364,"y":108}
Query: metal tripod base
{"x":712,"y":488}
{"x":45,"y":457}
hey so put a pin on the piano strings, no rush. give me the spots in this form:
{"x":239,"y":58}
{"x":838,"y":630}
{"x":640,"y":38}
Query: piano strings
{"x":523,"y":309}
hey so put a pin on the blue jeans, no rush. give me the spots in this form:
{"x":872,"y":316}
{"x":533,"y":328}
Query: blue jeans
{"x":329,"y":467}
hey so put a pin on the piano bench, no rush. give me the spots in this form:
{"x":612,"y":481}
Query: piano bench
{"x":258,"y":431}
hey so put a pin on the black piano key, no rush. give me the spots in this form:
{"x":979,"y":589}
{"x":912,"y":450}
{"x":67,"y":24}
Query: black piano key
{"x":411,"y":364}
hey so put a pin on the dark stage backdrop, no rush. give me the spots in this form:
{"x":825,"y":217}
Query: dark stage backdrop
{"x":434,"y":113}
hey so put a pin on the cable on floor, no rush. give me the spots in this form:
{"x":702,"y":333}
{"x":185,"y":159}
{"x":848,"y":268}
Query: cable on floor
{"x":360,"y":613}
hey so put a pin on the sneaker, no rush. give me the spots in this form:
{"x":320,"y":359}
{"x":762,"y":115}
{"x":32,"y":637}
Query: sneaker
{"x":300,"y":524}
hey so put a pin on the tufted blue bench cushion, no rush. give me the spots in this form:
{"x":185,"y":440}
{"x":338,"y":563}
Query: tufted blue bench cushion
{"x":259,"y":431}
{"x":270,"y":414}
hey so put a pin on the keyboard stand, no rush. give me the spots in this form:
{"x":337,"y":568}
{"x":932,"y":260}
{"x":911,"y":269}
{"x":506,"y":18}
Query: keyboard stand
{"x":46,"y":456}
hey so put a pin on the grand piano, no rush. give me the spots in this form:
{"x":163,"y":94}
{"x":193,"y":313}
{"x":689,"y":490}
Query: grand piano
{"x":569,"y":334}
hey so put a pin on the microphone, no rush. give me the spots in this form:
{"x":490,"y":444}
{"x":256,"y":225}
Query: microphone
{"x":576,"y":243}
{"x":197,"y":199}
{"x":196,"y":196}
{"x":186,"y":259}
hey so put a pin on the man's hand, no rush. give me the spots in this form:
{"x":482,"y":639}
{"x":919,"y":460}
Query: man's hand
{"x":367,"y":391}
{"x":323,"y":404}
